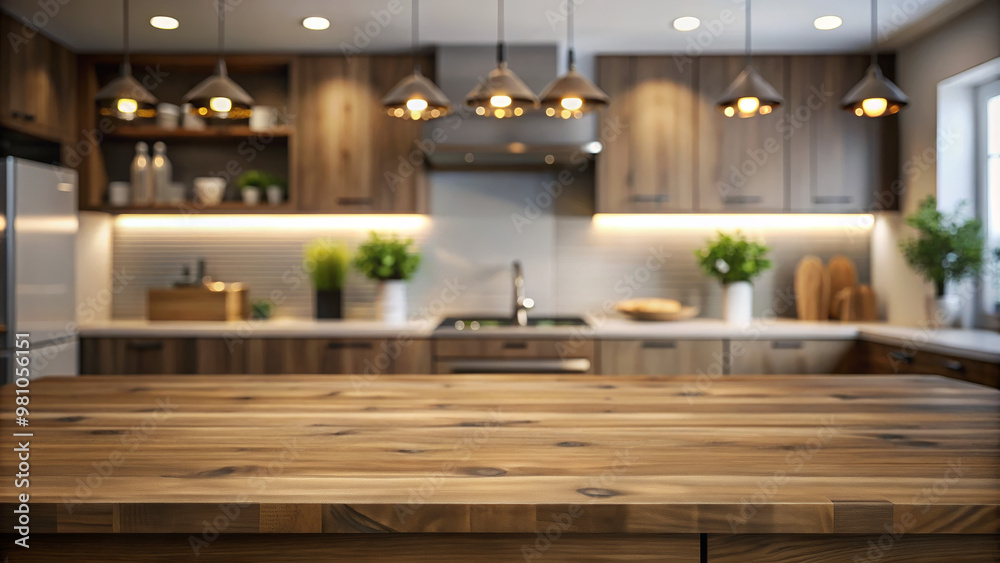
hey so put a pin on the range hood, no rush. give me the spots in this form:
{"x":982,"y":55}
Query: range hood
{"x":466,"y":140}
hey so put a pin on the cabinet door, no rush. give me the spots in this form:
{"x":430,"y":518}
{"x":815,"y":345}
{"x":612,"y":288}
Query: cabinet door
{"x":220,"y":356}
{"x":38,"y":82}
{"x":137,"y":356}
{"x":886,"y":359}
{"x":647,"y":164}
{"x":741,"y":162}
{"x":348,"y":151}
{"x":323,"y":356}
{"x":660,"y":357}
{"x":774,"y":357}
{"x":835,"y":159}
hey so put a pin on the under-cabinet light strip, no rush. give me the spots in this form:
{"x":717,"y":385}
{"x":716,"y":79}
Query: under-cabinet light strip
{"x":794,"y":221}
{"x":275,"y":222}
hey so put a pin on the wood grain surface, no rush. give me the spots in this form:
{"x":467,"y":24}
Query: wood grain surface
{"x":509,"y":454}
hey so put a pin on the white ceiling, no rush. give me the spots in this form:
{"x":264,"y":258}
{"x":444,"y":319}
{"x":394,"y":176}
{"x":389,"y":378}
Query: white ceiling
{"x":603,"y":26}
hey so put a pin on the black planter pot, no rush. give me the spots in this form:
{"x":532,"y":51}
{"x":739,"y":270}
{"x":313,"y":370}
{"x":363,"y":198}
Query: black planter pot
{"x":328,"y":304}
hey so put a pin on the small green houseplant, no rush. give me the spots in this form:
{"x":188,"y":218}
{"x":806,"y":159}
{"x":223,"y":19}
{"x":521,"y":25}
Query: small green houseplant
{"x":391,"y":262}
{"x":947,"y":248}
{"x":252,"y":183}
{"x":326,"y":262}
{"x":735,"y":262}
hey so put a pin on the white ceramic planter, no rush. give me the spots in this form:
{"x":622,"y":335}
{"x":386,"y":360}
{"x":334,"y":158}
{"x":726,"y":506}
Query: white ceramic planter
{"x":390,"y":301}
{"x":737,"y":302}
{"x":251,"y":195}
{"x":944,"y":311}
{"x":275,"y":195}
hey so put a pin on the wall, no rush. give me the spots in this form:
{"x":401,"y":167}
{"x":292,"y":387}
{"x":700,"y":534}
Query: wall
{"x":479,"y":223}
{"x":968,"y":40}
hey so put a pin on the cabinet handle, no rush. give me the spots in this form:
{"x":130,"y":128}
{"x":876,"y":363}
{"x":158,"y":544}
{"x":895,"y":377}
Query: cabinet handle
{"x":742,"y":199}
{"x":661,"y":345}
{"x":29,"y":117}
{"x":515,"y":346}
{"x":133,"y":345}
{"x":786,"y":345}
{"x":901,"y":357}
{"x":15,"y":114}
{"x":953,"y":365}
{"x":830,"y":199}
{"x":654,"y":198}
{"x":354,"y":201}
{"x":348,"y":345}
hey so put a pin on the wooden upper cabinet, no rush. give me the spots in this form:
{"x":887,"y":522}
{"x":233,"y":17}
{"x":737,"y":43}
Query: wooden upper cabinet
{"x":835,"y":160}
{"x":37,"y":83}
{"x":350,"y":156}
{"x":648,"y":160}
{"x":741,"y":162}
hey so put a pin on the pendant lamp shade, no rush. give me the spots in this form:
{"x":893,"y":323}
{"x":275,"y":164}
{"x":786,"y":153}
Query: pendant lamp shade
{"x":750,"y":94}
{"x":875,"y":95}
{"x":124,"y":97}
{"x":415,"y":96}
{"x":501,"y":93}
{"x":572,"y":94}
{"x":218,"y":96}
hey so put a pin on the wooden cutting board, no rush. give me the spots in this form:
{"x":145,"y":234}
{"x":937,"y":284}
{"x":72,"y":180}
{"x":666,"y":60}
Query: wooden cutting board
{"x":812,"y":290}
{"x":843,"y":275}
{"x":869,"y":311}
{"x":854,"y":304}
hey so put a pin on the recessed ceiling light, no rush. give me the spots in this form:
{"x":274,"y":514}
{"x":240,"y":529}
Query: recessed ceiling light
{"x":827,"y":22}
{"x":315,"y":23}
{"x":686,"y":23}
{"x":163,"y":22}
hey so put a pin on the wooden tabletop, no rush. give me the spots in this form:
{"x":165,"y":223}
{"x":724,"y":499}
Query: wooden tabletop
{"x":507,"y":453}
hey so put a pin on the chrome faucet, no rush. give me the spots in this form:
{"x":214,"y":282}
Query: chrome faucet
{"x":521,"y":303}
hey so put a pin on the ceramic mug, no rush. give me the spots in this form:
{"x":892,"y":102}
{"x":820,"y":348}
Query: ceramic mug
{"x":263,"y":118}
{"x":168,"y":116}
{"x":209,"y":190}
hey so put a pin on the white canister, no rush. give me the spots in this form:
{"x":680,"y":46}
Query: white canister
{"x":168,"y":116}
{"x":209,"y":190}
{"x":263,"y":118}
{"x":275,"y":195}
{"x":390,"y":301}
{"x":251,"y":195}
{"x":119,"y":194}
{"x":737,"y":302}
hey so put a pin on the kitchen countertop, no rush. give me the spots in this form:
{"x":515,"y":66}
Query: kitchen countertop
{"x":835,"y":454}
{"x":973,"y":344}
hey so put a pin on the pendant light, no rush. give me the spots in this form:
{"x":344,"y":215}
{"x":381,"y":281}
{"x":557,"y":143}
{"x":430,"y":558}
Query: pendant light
{"x":572,"y":94}
{"x":124,"y":97}
{"x":749,"y":94}
{"x":218,"y":96}
{"x":416,"y":97}
{"x":875,"y":95}
{"x":501,"y":94}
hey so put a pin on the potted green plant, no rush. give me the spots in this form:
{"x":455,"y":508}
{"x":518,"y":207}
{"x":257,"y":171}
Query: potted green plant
{"x":390,"y":261}
{"x":251,"y":183}
{"x":276,"y":191}
{"x":735,"y":262}
{"x":326,"y":262}
{"x":947,"y":248}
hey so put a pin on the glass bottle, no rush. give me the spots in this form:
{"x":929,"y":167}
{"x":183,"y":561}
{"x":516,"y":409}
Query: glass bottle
{"x":163,"y":173}
{"x":142,"y":176}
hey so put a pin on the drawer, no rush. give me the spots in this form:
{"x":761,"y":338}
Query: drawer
{"x":512,"y":348}
{"x":886,"y":359}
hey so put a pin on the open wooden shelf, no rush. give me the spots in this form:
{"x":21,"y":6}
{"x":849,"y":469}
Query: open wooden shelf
{"x":139,"y":132}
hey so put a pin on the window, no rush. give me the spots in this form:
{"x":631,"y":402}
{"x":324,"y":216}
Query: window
{"x":989,"y":153}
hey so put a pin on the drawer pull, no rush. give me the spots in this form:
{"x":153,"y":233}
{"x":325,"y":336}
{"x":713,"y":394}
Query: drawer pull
{"x":786,"y":345}
{"x":654,"y":198}
{"x":953,"y":365}
{"x":133,"y":345}
{"x":354,"y":201}
{"x":661,"y":345}
{"x":349,"y":345}
{"x":901,"y":357}
{"x":515,"y":345}
{"x":832,"y":199}
{"x":742,"y":199}
{"x":29,"y":117}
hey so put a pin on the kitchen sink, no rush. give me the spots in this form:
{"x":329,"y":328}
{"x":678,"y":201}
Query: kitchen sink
{"x":483,"y":322}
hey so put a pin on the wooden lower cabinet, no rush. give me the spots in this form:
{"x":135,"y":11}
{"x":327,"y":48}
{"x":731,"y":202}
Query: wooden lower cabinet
{"x":660,"y":357}
{"x":514,"y":355}
{"x":325,"y":356}
{"x":779,"y":357}
{"x":766,"y":548}
{"x":873,"y":357}
{"x":209,"y":356}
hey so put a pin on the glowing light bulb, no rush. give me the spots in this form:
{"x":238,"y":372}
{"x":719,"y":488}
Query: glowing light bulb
{"x":415,"y":115}
{"x":874,"y":107}
{"x":550,"y":111}
{"x":518,"y":111}
{"x":220,"y":104}
{"x":500,"y":101}
{"x":499,"y":113}
{"x":398,"y":112}
{"x":859,"y":112}
{"x":748,"y":105}
{"x":416,"y":104}
{"x":572,"y":103}
{"x":729,"y":111}
{"x":480,"y":110}
{"x":764,"y":110}
{"x":127,"y":105}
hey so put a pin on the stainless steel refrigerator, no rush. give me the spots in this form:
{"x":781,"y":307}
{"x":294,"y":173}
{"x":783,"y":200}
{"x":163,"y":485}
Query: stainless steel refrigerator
{"x":38,"y":258}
